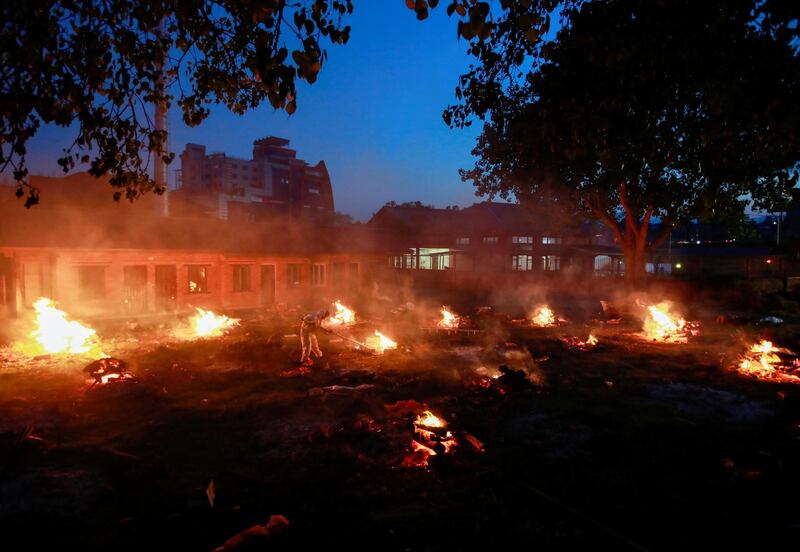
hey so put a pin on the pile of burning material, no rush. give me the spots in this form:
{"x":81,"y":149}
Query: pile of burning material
{"x":763,"y":362}
{"x":343,"y":316}
{"x":663,"y":326}
{"x":206,"y":323}
{"x":379,"y":343}
{"x":54,"y":333}
{"x":109,"y":370}
{"x":578,"y":344}
{"x":451,"y":323}
{"x":449,"y":320}
{"x":542,"y":317}
{"x":431,"y":438}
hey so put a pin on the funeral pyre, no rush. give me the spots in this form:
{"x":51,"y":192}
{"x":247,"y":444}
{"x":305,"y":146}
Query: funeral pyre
{"x":206,"y":323}
{"x":342,"y":316}
{"x":108,"y":370}
{"x":449,"y":320}
{"x":431,"y":437}
{"x":575,"y":342}
{"x":763,"y":361}
{"x":662,"y":325}
{"x":55,"y":333}
{"x":544,"y":317}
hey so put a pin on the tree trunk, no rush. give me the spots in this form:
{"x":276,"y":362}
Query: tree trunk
{"x":635,"y":252}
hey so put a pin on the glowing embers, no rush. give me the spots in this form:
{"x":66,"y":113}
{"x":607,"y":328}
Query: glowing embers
{"x":206,"y":323}
{"x":579,"y":344}
{"x":762,"y":361}
{"x":54,"y":333}
{"x":380,"y":343}
{"x":108,"y":370}
{"x":431,"y":438}
{"x":660,"y":324}
{"x":449,"y":320}
{"x":343,"y":315}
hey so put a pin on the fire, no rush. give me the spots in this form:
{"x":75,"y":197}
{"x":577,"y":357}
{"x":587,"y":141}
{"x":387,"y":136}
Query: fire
{"x":661,"y":325}
{"x":107,"y":370}
{"x":544,"y":317}
{"x":380,"y":342}
{"x":449,"y":320}
{"x":430,"y":434}
{"x":429,"y":419}
{"x":762,"y":362}
{"x":578,"y":343}
{"x":56,"y":334}
{"x":342,"y":316}
{"x":207,"y":324}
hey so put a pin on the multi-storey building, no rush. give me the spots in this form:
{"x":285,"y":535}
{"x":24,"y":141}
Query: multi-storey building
{"x":273,"y":182}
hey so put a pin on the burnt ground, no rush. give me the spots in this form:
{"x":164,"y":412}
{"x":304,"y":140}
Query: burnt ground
{"x":631,"y":445}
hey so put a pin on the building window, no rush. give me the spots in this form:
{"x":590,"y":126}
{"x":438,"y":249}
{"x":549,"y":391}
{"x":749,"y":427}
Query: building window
{"x":293,"y":275}
{"x":490,"y":240}
{"x":198,"y":279}
{"x":462,"y":241}
{"x":523,"y":243}
{"x":318,"y":275}
{"x":522,"y":262}
{"x":241,"y":278}
{"x":91,"y":282}
{"x":551,"y":240}
{"x":551,"y":262}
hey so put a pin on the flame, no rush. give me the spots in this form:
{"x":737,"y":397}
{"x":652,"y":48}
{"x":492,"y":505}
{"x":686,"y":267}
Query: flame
{"x":56,"y":334}
{"x":343,"y":315}
{"x":449,"y":319}
{"x":661,"y":325}
{"x":429,"y":419}
{"x":380,"y":342}
{"x":578,"y":343}
{"x":207,"y":324}
{"x":428,"y":428}
{"x":762,"y":362}
{"x":543,"y":317}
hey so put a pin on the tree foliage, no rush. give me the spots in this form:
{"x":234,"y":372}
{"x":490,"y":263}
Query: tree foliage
{"x":100,"y":64}
{"x":642,"y":108}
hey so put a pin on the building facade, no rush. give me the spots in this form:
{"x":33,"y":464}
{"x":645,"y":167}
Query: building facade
{"x":273,"y":182}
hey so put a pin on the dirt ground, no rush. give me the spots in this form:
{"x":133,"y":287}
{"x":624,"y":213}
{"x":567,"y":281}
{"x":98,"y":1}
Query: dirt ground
{"x":632,"y":445}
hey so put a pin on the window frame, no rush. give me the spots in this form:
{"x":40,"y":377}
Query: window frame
{"x":317,"y":270}
{"x":242,"y":278}
{"x":204,"y":288}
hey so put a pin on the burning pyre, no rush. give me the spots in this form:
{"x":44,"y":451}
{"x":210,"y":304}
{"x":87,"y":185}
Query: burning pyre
{"x":108,"y":370}
{"x":663,"y":326}
{"x":431,"y":437}
{"x":56,"y":334}
{"x":449,"y":320}
{"x":206,"y":323}
{"x":343,"y":315}
{"x":544,"y":317}
{"x":575,"y":342}
{"x":380,"y":343}
{"x":762,"y":361}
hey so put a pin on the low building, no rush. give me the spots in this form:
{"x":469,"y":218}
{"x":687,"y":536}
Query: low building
{"x":491,"y":237}
{"x":121,"y":260}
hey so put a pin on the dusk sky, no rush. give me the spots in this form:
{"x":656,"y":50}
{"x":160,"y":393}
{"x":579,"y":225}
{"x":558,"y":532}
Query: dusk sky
{"x":374,"y":116}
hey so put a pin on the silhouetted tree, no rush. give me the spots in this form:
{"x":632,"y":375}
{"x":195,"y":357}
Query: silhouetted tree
{"x":636,"y":109}
{"x":99,"y":64}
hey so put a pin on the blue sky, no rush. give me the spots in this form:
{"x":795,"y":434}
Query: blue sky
{"x":374,"y":116}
